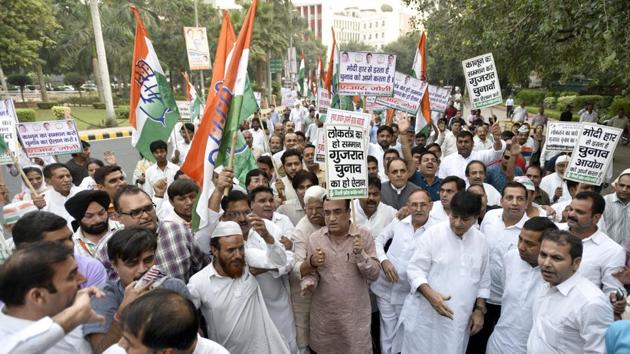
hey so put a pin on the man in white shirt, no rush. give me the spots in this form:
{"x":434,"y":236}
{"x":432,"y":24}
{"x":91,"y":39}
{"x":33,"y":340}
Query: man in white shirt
{"x":60,"y":189}
{"x":481,"y":140}
{"x":476,"y":174}
{"x":181,"y":196}
{"x":601,"y":255}
{"x":450,"y":279}
{"x":455,"y":164}
{"x":449,"y":187}
{"x":290,"y":142}
{"x":617,"y":213}
{"x":249,"y":140}
{"x":392,"y":285}
{"x":314,"y":129}
{"x":292,"y":164}
{"x":229,"y":297}
{"x":370,"y":212}
{"x":161,"y":169}
{"x":295,"y":208}
{"x":501,"y":228}
{"x":257,"y":134}
{"x":262,"y":202}
{"x":169,"y":323}
{"x":43,"y":308}
{"x":523,"y":282}
{"x":447,"y":138}
{"x":509,"y":105}
{"x":571,"y":314}
{"x":384,"y":138}
{"x":554,"y":184}
{"x":587,"y":114}
{"x":520,"y":114}
{"x":182,"y":145}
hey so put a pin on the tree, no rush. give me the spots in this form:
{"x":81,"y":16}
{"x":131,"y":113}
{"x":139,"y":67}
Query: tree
{"x":21,"y":81}
{"x":405,"y":49}
{"x":75,"y":80}
{"x":355,"y":46}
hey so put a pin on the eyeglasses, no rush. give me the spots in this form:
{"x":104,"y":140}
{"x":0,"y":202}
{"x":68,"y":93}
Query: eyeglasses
{"x":136,"y":213}
{"x":236,"y":214}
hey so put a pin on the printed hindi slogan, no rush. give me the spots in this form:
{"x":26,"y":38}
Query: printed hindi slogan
{"x":371,"y":105}
{"x":366,"y":73}
{"x":54,"y":137}
{"x":197,"y":48}
{"x":593,"y":153}
{"x":562,"y":136}
{"x":323,"y":100}
{"x":8,"y":118}
{"x":184,"y":111}
{"x":438,"y":98}
{"x":408,"y":92}
{"x":343,"y":117}
{"x":482,"y":81}
{"x":346,"y":160}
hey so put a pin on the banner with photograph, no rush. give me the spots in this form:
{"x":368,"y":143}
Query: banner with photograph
{"x":346,"y":160}
{"x":8,"y":118}
{"x":53,"y":137}
{"x":482,"y":81}
{"x":408,"y":92}
{"x":342,"y":117}
{"x":366,"y":73}
{"x":288,"y":97}
{"x":562,"y":136}
{"x":592,"y":153}
{"x":197,"y":48}
{"x":438,"y":97}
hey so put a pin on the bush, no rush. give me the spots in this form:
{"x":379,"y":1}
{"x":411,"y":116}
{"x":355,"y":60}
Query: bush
{"x":60,"y":111}
{"x":98,"y":105}
{"x":531,"y":97}
{"x":568,"y":93}
{"x":80,"y":101}
{"x":550,"y":102}
{"x":45,"y":105}
{"x":122,"y":112}
{"x":579,"y":102}
{"x":618,"y":103}
{"x":25,"y":114}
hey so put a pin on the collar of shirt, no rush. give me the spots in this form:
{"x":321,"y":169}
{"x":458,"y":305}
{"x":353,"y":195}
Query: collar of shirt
{"x":436,"y":180}
{"x":398,"y":190}
{"x":177,"y":219}
{"x":565,"y":287}
{"x":596,"y":238}
{"x":615,"y":199}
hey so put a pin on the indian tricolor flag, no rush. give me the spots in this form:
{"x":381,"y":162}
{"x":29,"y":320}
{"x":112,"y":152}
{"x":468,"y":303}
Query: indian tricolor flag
{"x":193,"y":99}
{"x":221,"y":115}
{"x":300,"y":77}
{"x":152,"y":108}
{"x":332,"y":73}
{"x":423,"y":118}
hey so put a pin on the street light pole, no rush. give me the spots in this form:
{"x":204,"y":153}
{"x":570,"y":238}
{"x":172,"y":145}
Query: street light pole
{"x":102,"y":64}
{"x":202,"y":84}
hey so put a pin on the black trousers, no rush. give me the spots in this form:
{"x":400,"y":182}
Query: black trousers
{"x":477,"y":343}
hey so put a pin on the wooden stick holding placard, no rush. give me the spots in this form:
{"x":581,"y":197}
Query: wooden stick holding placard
{"x":231,"y":159}
{"x":24,"y":177}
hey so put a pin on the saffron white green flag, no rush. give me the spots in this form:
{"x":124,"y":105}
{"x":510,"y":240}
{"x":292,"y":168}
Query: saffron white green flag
{"x":301,"y":77}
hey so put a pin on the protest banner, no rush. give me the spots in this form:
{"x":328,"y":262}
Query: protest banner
{"x":408,"y":92}
{"x":323,"y":101}
{"x":438,"y":97}
{"x":346,"y":160}
{"x":365,"y":73}
{"x":8,"y":117}
{"x":289,"y":97}
{"x":562,"y":136}
{"x":482,"y":81}
{"x":54,"y":137}
{"x":592,"y":153}
{"x":258,"y":97}
{"x":184,"y":111}
{"x":343,"y":117}
{"x":372,"y":106}
{"x":197,"y":48}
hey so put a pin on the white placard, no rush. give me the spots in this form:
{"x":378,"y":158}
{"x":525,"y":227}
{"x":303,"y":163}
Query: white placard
{"x":46,"y":138}
{"x":344,"y":117}
{"x":323,"y":100}
{"x":8,"y":119}
{"x":197,"y":48}
{"x":289,"y":97}
{"x":184,"y":111}
{"x":366,"y":73}
{"x":562,"y":136}
{"x":408,"y":92}
{"x":438,"y":97}
{"x":346,"y":160}
{"x":593,"y":153}
{"x":482,"y":81}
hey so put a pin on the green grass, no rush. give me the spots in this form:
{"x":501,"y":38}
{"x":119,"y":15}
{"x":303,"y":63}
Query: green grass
{"x":86,"y":117}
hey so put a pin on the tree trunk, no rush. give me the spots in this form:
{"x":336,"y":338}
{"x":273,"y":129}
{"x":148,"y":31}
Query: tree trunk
{"x":97,"y":78}
{"x":102,"y":64}
{"x":3,"y":82}
{"x":22,"y":93}
{"x":42,"y":82}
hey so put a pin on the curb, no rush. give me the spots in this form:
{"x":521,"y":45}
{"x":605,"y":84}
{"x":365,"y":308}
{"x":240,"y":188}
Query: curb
{"x":104,"y":135}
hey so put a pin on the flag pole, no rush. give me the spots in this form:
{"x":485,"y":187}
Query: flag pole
{"x":23,"y":175}
{"x":231,"y":160}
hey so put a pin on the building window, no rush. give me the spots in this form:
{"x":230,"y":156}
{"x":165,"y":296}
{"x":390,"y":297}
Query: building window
{"x":370,"y":36}
{"x":383,"y":35}
{"x":383,"y":22}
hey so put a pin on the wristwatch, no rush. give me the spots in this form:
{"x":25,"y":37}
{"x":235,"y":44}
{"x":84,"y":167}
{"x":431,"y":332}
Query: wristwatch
{"x":483,"y":309}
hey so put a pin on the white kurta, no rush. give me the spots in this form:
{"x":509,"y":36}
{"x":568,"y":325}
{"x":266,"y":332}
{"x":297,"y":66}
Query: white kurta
{"x":523,"y":283}
{"x":453,"y":266}
{"x":492,"y":194}
{"x":500,"y":239}
{"x":549,"y":183}
{"x":258,"y":137}
{"x":283,"y":223}
{"x":378,"y":221}
{"x":437,"y":212}
{"x":154,"y":173}
{"x":235,"y":312}
{"x":455,"y":164}
{"x":55,"y":202}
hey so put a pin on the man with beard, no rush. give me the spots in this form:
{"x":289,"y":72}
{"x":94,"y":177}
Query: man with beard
{"x":292,"y":163}
{"x":177,"y":253}
{"x":370,"y":212}
{"x":294,"y":208}
{"x":91,"y":221}
{"x":43,"y":307}
{"x":601,"y":255}
{"x":455,"y":164}
{"x":384,"y":136}
{"x":257,"y":134}
{"x":522,"y":284}
{"x":570,"y":314}
{"x":392,"y":285}
{"x":554,"y":184}
{"x":249,"y":140}
{"x":275,"y":144}
{"x":228,"y":296}
{"x":110,"y":179}
{"x":450,"y":185}
{"x":60,"y":189}
{"x":132,"y":254}
{"x":182,"y":194}
{"x":535,"y":174}
{"x":311,"y":222}
{"x":617,"y":213}
{"x":501,"y":228}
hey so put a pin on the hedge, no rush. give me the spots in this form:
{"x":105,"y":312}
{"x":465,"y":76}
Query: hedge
{"x":618,"y":103}
{"x":45,"y":105}
{"x":25,"y":114}
{"x":531,"y":97}
{"x":550,"y":102}
{"x":60,"y":111}
{"x":122,"y":112}
{"x":98,"y":105}
{"x":579,"y":102}
{"x":80,"y":101}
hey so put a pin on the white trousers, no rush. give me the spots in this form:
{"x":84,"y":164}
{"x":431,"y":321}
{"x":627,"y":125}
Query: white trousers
{"x":389,"y":314}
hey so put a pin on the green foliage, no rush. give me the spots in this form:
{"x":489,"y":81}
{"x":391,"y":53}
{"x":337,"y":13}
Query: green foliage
{"x":45,"y":105}
{"x":60,"y":111}
{"x":25,"y":114}
{"x":568,"y":93}
{"x":74,"y":79}
{"x":579,"y":102}
{"x":405,"y":50}
{"x":80,"y":101}
{"x":531,"y":97}
{"x":19,"y":80}
{"x":618,"y":103}
{"x":356,"y":46}
{"x":122,"y":112}
{"x":550,"y":102}
{"x":98,"y":105}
